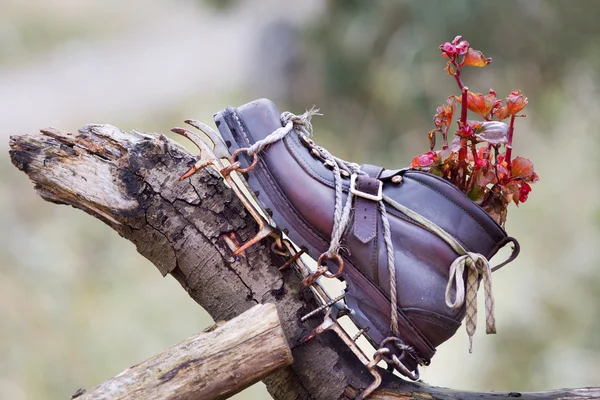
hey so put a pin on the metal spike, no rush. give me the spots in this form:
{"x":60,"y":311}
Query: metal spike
{"x":207,"y":156}
{"x":220,"y":150}
{"x":322,"y":307}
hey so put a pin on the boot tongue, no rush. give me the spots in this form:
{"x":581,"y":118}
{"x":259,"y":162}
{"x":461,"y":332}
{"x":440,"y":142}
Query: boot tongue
{"x":381,"y":173}
{"x":372,"y":170}
{"x":388,"y":174}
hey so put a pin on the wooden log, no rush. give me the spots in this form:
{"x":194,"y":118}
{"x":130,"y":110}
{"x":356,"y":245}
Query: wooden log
{"x":214,"y":364}
{"x":129,"y":181}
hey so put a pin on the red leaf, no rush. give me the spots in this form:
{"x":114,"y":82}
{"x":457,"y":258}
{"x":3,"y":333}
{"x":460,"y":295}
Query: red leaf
{"x":513,"y":192}
{"x":523,"y":168}
{"x":516,"y":102}
{"x":479,"y":103}
{"x":444,"y":113}
{"x":501,"y":113}
{"x":486,"y":177}
{"x":475,"y":58}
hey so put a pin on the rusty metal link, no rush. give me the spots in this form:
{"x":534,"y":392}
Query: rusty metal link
{"x":322,"y":269}
{"x":235,"y":155}
{"x":392,"y":359}
{"x":414,"y":375}
{"x":336,"y":258}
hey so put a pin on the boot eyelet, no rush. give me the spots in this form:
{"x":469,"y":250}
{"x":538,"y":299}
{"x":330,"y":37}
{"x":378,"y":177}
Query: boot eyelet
{"x":345,"y":174}
{"x":329,"y":164}
{"x":307,"y":142}
{"x":315,"y":153}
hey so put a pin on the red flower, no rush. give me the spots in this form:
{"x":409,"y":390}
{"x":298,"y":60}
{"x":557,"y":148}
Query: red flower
{"x":462,"y":47}
{"x":424,"y":160}
{"x":479,"y":163}
{"x":524,"y":192}
{"x":448,"y":49}
{"x":456,"y":48}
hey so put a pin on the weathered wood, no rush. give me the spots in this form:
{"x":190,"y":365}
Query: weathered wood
{"x":214,"y":364}
{"x":130,"y":182}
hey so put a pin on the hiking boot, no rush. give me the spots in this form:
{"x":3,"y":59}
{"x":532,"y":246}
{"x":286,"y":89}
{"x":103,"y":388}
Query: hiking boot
{"x":405,"y":237}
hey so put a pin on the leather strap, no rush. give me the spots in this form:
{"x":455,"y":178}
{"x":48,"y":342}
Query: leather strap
{"x":408,"y":331}
{"x":365,"y":214}
{"x":515,"y":251}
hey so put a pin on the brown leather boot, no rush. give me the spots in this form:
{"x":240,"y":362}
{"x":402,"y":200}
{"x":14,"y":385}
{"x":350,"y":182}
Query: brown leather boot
{"x":406,"y":223}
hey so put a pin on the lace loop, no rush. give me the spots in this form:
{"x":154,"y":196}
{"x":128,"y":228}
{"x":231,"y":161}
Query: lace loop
{"x":477,"y":266}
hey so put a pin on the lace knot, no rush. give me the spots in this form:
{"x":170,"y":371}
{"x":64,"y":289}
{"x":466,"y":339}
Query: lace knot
{"x":300,"y":121}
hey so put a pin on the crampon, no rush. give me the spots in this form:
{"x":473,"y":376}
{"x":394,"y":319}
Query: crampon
{"x":411,"y":272}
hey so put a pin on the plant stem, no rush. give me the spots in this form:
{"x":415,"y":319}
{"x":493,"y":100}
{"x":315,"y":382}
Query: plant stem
{"x":462,"y":152}
{"x":461,"y":85}
{"x":511,"y":130}
{"x":462,"y":162}
{"x":488,"y":152}
{"x":464,"y":107}
{"x":445,"y":137}
{"x":464,"y":90}
{"x":474,"y":151}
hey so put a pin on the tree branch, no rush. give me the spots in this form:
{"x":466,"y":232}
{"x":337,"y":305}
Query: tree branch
{"x":215,"y":364}
{"x":129,"y":181}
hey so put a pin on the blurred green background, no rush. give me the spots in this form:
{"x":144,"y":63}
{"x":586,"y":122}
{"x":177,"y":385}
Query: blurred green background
{"x":78,"y":304}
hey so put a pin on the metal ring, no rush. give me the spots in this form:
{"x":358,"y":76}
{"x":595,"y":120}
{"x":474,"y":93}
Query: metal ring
{"x":397,"y":342}
{"x":234,"y":157}
{"x":393,"y":359}
{"x":414,"y":375}
{"x":339,"y":261}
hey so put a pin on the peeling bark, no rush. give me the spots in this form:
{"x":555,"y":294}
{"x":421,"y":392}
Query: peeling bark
{"x":129,"y":181}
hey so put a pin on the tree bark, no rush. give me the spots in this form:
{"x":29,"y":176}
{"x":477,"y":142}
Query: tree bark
{"x":215,"y":364}
{"x":129,"y":181}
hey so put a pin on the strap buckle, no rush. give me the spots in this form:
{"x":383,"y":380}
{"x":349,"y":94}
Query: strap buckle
{"x":365,"y":195}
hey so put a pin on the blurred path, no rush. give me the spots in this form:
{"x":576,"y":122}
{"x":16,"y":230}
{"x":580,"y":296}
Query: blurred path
{"x":180,"y":49}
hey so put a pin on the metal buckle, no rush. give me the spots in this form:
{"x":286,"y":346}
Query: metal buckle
{"x":357,"y":192}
